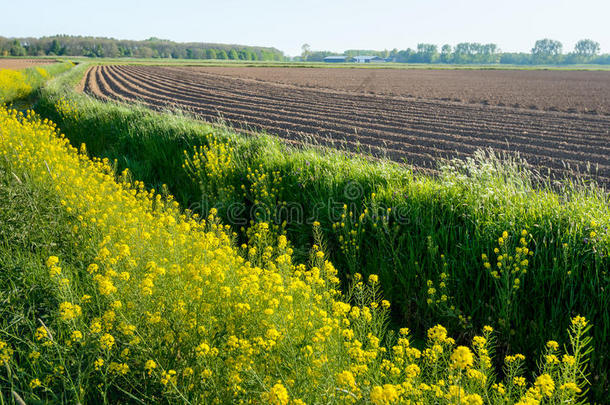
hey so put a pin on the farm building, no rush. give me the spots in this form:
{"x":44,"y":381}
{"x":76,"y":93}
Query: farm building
{"x":368,"y":59}
{"x":335,"y":59}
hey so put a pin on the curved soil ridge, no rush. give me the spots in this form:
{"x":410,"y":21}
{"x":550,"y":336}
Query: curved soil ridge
{"x":396,"y":127}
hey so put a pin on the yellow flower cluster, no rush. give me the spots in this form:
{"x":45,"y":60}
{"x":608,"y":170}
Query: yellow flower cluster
{"x":67,"y":108}
{"x":215,"y":163}
{"x":350,"y":231}
{"x":167,"y":299}
{"x":13,"y":85}
{"x":509,"y":271}
{"x":5,"y":353}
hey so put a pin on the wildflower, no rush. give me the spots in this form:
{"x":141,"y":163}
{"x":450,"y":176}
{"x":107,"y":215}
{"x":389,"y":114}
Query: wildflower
{"x":571,"y":387}
{"x":553,"y":345}
{"x":346,"y":379}
{"x":437,"y":333}
{"x":545,"y":384}
{"x":377,"y":396}
{"x":569,"y":360}
{"x":473,"y":399}
{"x":202,"y":349}
{"x":35,"y":383}
{"x":150,"y":366}
{"x":479,"y":342}
{"x":96,"y":326}
{"x":54,"y":271}
{"x":118,"y":368}
{"x":519,"y":381}
{"x":168,"y":376}
{"x":412,"y":370}
{"x":579,"y":321}
{"x":106,"y":341}
{"x":384,"y":395}
{"x":278,"y":395}
{"x":52,"y":261}
{"x":462,"y":358}
{"x":69,"y":311}
{"x":552,"y":359}
{"x":76,"y":336}
{"x":5,"y":352}
{"x":98,"y":363}
{"x":373,"y":279}
{"x":41,"y":333}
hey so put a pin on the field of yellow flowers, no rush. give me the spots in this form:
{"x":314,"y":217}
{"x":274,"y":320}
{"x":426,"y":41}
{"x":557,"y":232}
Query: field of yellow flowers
{"x":18,"y":84}
{"x":153,"y":303}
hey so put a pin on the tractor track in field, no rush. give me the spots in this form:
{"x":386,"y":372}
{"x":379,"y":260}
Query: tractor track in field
{"x":401,"y":128}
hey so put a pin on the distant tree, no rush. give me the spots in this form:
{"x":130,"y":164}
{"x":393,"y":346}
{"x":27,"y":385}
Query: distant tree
{"x":55,"y":48}
{"x":198,"y":53}
{"x":520,"y":58}
{"x":427,"y":53}
{"x":222,"y":54}
{"x":109,"y":47}
{"x":110,"y":50}
{"x":547,"y":51}
{"x":17,"y":49}
{"x":406,"y":56}
{"x":393,"y":54}
{"x":145,"y":52}
{"x":233,"y":54}
{"x":489,"y":53}
{"x":586,"y":48}
{"x":210,"y":53}
{"x":446,"y":53}
{"x":462,"y":53}
{"x":318,"y":56}
{"x":125,"y":51}
{"x":305,"y":51}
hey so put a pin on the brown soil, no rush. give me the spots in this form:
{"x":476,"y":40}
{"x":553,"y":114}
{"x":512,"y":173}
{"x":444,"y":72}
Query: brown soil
{"x":17,"y":64}
{"x":416,"y":130}
{"x":571,"y":91}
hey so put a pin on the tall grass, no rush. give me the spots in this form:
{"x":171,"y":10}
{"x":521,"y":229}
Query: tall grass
{"x":425,"y":236}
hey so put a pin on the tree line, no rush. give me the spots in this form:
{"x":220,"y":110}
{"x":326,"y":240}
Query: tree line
{"x":66,"y":45}
{"x":545,"y":51}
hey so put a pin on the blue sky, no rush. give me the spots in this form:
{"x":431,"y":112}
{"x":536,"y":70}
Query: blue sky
{"x":324,"y":24}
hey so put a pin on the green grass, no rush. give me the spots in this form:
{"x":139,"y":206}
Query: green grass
{"x":290,"y":64}
{"x":459,"y":214}
{"x":33,"y":225}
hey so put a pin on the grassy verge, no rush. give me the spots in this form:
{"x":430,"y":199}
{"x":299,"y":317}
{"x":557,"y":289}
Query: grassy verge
{"x":432,"y":241}
{"x":148,"y":303}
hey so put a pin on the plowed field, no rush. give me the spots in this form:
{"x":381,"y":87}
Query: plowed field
{"x":417,"y":129}
{"x":23,"y":63}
